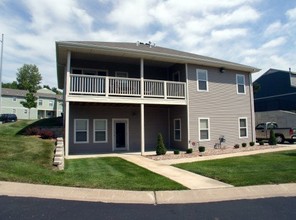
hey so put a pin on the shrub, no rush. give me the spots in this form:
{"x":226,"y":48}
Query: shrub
{"x":236,"y":146}
{"x":201,"y":149}
{"x":46,"y":134}
{"x":189,"y":151}
{"x":252,"y":143}
{"x":32,"y":131}
{"x":272,"y":138}
{"x":261,"y":143}
{"x":176,"y":152}
{"x":160,"y":148}
{"x":244,"y":144}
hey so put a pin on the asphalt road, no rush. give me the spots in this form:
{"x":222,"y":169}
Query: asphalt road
{"x":34,"y":208}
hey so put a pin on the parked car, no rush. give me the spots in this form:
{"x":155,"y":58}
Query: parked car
{"x":4,"y":118}
{"x":281,"y":134}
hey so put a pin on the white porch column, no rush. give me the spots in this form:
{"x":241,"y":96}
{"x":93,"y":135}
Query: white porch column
{"x":142,"y":129}
{"x":67,"y":105}
{"x":142,"y":78}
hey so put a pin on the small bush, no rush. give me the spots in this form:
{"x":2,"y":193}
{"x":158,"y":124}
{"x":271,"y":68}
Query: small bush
{"x":160,"y":148}
{"x":201,"y":149}
{"x":252,"y":143}
{"x":176,"y":152}
{"x":236,"y":146}
{"x":32,"y":131}
{"x":244,"y":144}
{"x":261,"y":143}
{"x":189,"y":151}
{"x":46,"y":134}
{"x":272,"y":138}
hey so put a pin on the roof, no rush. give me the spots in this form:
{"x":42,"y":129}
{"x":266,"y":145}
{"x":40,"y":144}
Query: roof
{"x":22,"y":93}
{"x":139,"y":50}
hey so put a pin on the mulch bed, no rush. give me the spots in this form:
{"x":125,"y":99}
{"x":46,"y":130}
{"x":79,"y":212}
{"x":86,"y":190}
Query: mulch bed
{"x":210,"y":152}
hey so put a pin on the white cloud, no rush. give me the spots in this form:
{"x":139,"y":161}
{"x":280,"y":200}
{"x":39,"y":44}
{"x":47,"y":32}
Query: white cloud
{"x":275,"y":42}
{"x":291,"y":14}
{"x":274,"y":28}
{"x":228,"y":34}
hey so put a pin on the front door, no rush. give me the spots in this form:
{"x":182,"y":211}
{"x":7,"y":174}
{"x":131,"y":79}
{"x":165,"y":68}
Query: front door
{"x":120,"y":134}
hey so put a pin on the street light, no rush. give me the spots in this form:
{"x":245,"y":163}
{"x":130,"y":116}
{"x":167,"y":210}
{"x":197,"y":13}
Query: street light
{"x":1,"y":60}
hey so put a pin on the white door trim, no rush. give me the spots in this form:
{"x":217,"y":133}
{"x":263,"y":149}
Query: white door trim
{"x":120,"y":120}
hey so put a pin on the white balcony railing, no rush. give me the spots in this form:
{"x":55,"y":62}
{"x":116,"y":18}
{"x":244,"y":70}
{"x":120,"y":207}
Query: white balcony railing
{"x":117,"y":86}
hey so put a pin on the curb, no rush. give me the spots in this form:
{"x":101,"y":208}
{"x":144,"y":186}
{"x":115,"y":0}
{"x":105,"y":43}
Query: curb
{"x":146,"y":197}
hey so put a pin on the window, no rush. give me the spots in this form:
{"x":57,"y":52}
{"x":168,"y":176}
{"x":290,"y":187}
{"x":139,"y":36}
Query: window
{"x":26,"y":111}
{"x":100,"y":131}
{"x":177,"y":129}
{"x":40,"y":102}
{"x":240,"y":82}
{"x":80,"y":130}
{"x":243,"y":127}
{"x":14,"y":99}
{"x":121,"y":74}
{"x":50,"y":103}
{"x":202,"y":80}
{"x":204,"y":129}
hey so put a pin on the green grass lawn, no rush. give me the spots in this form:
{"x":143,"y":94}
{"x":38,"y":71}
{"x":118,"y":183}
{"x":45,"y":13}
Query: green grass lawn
{"x":29,"y":159}
{"x":269,"y":168}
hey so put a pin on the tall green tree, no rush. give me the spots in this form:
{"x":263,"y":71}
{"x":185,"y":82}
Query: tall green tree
{"x":28,"y":78}
{"x":30,"y":102}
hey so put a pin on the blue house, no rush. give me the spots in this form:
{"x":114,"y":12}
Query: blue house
{"x":277,"y":91}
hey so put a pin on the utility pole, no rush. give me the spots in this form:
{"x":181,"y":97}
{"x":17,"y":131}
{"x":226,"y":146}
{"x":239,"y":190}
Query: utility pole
{"x":1,"y":61}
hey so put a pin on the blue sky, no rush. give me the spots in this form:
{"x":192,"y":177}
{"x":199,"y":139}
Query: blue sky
{"x":260,"y":33}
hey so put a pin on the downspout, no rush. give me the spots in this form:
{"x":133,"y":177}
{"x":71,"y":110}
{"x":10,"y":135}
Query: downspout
{"x":252,"y":108}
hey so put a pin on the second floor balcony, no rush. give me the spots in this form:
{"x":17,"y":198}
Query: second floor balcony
{"x":132,"y":88}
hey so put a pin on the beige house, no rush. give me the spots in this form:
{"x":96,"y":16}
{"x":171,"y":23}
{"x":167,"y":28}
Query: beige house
{"x":48,"y":104}
{"x":119,"y":96}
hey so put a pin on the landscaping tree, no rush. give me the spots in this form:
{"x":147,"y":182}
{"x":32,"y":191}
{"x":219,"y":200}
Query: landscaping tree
{"x":30,"y":102}
{"x":160,"y":148}
{"x":28,"y":78}
{"x":272,"y":138}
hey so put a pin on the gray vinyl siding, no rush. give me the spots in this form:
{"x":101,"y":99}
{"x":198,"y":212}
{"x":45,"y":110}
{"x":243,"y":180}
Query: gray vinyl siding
{"x":221,"y":104}
{"x":156,"y":120}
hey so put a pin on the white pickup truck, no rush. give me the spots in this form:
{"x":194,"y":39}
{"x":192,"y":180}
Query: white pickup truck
{"x":281,"y":134}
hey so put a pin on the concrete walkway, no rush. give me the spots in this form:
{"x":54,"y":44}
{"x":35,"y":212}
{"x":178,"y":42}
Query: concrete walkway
{"x":146,"y":197}
{"x":186,"y":178}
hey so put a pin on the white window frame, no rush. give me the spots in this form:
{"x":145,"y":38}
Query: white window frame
{"x":237,"y":84}
{"x":209,"y":129}
{"x":94,"y":131}
{"x":175,"y":129}
{"x":14,"y":99}
{"x":87,"y":131}
{"x":239,"y":127}
{"x":197,"y":80}
{"x":51,"y":103}
{"x":40,"y":101}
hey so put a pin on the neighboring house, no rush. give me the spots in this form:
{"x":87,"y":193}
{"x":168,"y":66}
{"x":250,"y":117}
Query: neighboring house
{"x":48,"y":104}
{"x":275,"y":99}
{"x":119,"y":96}
{"x":277,"y":91}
